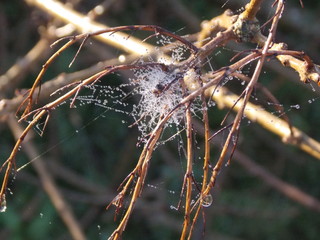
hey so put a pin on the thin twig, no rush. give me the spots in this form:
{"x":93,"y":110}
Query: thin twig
{"x":187,"y":181}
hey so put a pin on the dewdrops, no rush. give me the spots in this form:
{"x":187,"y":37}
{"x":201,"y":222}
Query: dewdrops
{"x":297,"y":106}
{"x":178,"y":53}
{"x":122,"y":58}
{"x":155,"y":90}
{"x":192,"y":80}
{"x":99,"y":9}
{"x":207,"y":200}
{"x":3,"y":205}
{"x":159,"y":92}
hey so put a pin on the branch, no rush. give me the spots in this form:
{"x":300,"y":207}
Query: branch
{"x":85,"y":25}
{"x":251,"y":9}
{"x":247,"y":29}
{"x":224,"y":98}
{"x":8,"y":106}
{"x":307,"y":70}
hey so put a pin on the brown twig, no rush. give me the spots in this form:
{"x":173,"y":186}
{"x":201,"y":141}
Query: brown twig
{"x":236,"y":125}
{"x":206,"y":162}
{"x":140,"y":171}
{"x":187,"y":181}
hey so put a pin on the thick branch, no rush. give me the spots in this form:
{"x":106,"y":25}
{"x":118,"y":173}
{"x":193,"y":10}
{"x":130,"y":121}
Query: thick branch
{"x":252,"y":9}
{"x":85,"y":25}
{"x":255,"y":113}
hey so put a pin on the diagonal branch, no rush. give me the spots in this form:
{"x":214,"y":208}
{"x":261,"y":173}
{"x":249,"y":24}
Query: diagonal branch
{"x":85,"y":25}
{"x":272,"y":123}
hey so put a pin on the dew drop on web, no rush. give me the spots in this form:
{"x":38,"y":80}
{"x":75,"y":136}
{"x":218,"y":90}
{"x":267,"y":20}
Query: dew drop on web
{"x":207,"y":200}
{"x":297,"y":106}
{"x":3,"y":205}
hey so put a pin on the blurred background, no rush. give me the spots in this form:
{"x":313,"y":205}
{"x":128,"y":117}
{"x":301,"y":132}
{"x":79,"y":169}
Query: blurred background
{"x":88,"y":151}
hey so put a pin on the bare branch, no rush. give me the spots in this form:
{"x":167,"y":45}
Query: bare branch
{"x":86,"y":25}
